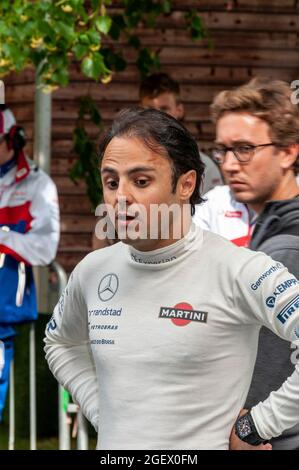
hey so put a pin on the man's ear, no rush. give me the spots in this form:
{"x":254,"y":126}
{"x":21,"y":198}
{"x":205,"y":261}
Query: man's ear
{"x":186,"y":185}
{"x":180,"y":111}
{"x":289,"y":156}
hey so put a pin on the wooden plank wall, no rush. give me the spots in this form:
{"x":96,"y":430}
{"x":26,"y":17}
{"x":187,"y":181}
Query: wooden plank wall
{"x":249,"y":37}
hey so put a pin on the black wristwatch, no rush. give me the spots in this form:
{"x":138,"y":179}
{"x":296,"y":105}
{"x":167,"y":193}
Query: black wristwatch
{"x":246,"y":430}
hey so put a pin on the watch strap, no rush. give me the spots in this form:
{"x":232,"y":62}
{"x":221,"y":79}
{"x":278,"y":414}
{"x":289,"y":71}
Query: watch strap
{"x":253,"y":438}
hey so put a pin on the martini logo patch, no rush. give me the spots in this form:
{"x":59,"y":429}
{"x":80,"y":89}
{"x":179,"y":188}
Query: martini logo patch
{"x":182,"y":314}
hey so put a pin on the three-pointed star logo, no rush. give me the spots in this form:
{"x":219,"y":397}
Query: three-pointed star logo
{"x":108,"y":287}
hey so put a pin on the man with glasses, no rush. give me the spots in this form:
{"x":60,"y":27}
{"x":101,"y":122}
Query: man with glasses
{"x":257,"y":129}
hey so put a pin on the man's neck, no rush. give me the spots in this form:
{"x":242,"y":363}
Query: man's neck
{"x":288,"y":189}
{"x":177,"y":231}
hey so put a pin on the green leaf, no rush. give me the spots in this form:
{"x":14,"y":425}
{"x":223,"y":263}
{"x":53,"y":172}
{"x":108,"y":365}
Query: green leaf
{"x":61,"y":77}
{"x":133,"y":19}
{"x":113,"y":60}
{"x":77,"y":4}
{"x":4,"y":28}
{"x":103,"y":24}
{"x":96,"y":117}
{"x":95,"y":4}
{"x":12,"y":51}
{"x":94,"y":67}
{"x":67,"y":32}
{"x":94,"y":37}
{"x":83,"y":38}
{"x":20,"y":62}
{"x":148,"y":62}
{"x":166,"y":6}
{"x":87,"y":67}
{"x":44,"y":6}
{"x":80,"y":50}
{"x":45,"y":28}
{"x":196,"y":23}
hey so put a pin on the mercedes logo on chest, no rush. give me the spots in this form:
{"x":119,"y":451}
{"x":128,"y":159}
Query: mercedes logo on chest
{"x":108,"y":287}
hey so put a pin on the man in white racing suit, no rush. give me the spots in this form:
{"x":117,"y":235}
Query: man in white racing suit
{"x":160,"y":91}
{"x":156,"y":336}
{"x":29,"y":233}
{"x":223,"y":214}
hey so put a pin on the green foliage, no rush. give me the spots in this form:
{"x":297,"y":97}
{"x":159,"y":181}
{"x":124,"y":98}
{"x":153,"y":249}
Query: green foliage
{"x":87,"y":166}
{"x":195,"y":25}
{"x":103,"y":24}
{"x":49,"y":34}
{"x":147,"y":62}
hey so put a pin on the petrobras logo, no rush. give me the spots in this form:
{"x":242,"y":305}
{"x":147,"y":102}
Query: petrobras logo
{"x":182,"y":314}
{"x":270,"y":301}
{"x":255,"y":285}
{"x":288,"y":310}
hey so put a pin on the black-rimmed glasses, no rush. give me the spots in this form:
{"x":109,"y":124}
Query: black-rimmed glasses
{"x":242,"y":152}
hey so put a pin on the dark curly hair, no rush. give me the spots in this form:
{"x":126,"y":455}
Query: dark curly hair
{"x":160,"y":132}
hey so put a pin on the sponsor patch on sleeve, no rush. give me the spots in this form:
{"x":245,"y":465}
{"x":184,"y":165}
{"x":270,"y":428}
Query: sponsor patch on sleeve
{"x":280,"y":289}
{"x":288,"y":310}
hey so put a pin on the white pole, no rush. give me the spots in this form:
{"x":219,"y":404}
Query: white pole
{"x":82,"y":439}
{"x":64,"y":427}
{"x":32,"y":386}
{"x":42,"y":128}
{"x":11,"y":432}
{"x":42,"y":157}
{"x":42,"y":143}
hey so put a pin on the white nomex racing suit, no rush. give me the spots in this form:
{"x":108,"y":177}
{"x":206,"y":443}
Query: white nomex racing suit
{"x":29,"y":236}
{"x":158,"y":348}
{"x":222,"y":214}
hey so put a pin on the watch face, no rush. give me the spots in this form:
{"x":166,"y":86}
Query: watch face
{"x":244,"y":427}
